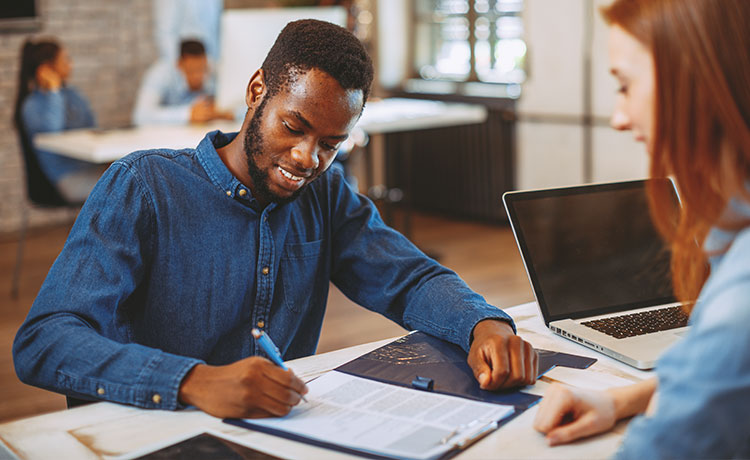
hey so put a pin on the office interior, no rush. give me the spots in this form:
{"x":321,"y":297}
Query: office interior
{"x":540,"y":73}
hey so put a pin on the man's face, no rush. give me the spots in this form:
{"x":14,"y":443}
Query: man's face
{"x":293,"y":136}
{"x":195,"y":69}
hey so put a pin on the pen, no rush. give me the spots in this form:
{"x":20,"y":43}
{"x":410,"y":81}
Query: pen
{"x":271,"y":349}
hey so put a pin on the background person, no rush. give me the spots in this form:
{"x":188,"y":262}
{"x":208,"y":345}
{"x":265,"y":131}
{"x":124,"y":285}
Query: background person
{"x":178,"y":93}
{"x":45,"y":104}
{"x":684,"y":91}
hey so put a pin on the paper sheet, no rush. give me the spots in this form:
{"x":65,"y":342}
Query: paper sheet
{"x":385,"y":419}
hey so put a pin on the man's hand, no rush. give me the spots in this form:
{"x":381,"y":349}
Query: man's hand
{"x":251,"y":388}
{"x":202,"y":110}
{"x":499,"y":358}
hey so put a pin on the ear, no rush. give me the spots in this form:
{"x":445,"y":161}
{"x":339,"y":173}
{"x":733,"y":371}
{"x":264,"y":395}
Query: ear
{"x":256,"y":88}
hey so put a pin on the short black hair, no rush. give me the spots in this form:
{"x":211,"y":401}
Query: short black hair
{"x":192,"y":47}
{"x":311,"y":44}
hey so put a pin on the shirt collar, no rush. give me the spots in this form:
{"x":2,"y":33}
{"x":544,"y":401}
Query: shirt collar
{"x":218,"y":172}
{"x":719,"y":239}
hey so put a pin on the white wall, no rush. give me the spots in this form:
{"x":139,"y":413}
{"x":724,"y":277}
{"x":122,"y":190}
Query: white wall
{"x":551,"y":131}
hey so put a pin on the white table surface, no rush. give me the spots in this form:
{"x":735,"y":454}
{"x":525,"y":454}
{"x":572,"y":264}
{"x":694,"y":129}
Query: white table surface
{"x":105,"y":430}
{"x":379,"y":117}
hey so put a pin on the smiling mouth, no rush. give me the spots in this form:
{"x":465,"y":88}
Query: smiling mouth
{"x":289,"y":175}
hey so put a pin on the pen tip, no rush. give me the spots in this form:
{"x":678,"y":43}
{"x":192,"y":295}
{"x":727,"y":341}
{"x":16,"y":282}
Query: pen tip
{"x":255,"y":332}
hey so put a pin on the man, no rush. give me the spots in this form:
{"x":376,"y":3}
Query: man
{"x":180,"y":93}
{"x":177,"y":255}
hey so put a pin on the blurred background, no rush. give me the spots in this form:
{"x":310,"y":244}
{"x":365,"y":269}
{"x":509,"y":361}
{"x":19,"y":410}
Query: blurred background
{"x":536,"y":70}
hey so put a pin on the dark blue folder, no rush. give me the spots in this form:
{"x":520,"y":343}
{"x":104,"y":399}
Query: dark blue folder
{"x":421,"y":355}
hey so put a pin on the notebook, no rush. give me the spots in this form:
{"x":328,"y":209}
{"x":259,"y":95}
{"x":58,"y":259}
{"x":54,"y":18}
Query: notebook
{"x":599,"y":269}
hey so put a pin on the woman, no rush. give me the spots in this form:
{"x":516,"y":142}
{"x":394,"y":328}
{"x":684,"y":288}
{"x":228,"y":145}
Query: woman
{"x":684,"y":73}
{"x":45,"y":104}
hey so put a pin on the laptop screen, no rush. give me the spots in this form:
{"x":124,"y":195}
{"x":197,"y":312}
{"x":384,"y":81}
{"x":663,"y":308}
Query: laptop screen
{"x":592,"y":249}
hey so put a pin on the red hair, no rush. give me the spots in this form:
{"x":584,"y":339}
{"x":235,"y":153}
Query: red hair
{"x":702,"y":114}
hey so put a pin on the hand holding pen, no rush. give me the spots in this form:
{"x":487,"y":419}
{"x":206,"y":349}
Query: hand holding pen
{"x":249,"y":388}
{"x":271,"y":349}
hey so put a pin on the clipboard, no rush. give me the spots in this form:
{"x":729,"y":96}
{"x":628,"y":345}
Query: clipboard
{"x":421,"y":363}
{"x":381,"y":435}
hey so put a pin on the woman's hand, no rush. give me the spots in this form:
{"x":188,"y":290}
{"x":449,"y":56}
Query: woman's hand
{"x":566,"y":414}
{"x":47,"y":78}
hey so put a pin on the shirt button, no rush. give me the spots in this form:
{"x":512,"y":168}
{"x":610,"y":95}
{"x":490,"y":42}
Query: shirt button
{"x":156,"y":398}
{"x":243,"y":192}
{"x":265,"y":270}
{"x":260,"y":324}
{"x":229,"y":193}
{"x":100,"y":391}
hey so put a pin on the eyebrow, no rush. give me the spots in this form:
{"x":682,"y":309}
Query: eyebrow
{"x":305,"y":122}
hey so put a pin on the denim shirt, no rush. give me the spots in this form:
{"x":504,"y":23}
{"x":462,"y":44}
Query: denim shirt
{"x":171,"y":263}
{"x":55,"y":111}
{"x":703,"y":404}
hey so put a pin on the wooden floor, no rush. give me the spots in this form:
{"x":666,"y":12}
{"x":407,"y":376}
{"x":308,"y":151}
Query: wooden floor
{"x":485,"y":256}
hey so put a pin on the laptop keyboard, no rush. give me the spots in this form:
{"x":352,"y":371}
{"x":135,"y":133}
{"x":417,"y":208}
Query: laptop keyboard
{"x":641,"y":323}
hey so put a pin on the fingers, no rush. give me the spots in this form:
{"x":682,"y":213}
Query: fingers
{"x":579,"y":428}
{"x":566,"y":415}
{"x":281,"y":389}
{"x":511,"y":362}
{"x":480,"y":365}
{"x":286,"y":379}
{"x":553,"y":408}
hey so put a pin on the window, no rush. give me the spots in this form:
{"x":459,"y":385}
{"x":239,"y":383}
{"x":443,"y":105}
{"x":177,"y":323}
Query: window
{"x":469,"y":41}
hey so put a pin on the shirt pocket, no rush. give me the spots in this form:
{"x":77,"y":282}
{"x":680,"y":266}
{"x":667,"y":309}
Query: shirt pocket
{"x":300,"y":273}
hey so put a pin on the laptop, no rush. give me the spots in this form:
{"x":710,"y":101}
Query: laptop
{"x":599,"y":269}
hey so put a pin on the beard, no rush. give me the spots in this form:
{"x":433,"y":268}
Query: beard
{"x":254,"y":145}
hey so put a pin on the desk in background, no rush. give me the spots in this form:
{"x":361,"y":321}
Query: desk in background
{"x":379,"y":117}
{"x":105,"y":430}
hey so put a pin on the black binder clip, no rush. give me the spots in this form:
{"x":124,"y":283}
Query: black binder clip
{"x":423,"y":383}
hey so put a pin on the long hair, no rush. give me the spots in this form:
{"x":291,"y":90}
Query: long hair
{"x":702,"y":115}
{"x":33,"y":54}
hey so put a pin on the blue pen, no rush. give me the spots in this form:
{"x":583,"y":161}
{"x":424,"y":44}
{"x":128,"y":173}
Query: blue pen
{"x":270,"y":348}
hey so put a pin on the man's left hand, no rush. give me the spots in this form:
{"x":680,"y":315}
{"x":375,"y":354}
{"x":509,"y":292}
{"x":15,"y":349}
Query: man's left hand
{"x":500,"y":358}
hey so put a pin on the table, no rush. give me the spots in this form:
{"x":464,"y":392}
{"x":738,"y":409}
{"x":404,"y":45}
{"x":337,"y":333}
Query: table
{"x":105,"y":430}
{"x":379,"y":117}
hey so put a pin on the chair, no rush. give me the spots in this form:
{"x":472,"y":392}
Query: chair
{"x":40,"y":192}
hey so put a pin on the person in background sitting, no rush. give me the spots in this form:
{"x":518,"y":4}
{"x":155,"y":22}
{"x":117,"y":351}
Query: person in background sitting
{"x":46,"y":104}
{"x":684,"y":76}
{"x":178,"y":93}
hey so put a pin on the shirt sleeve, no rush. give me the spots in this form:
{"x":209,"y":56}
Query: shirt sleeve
{"x":382,"y":270}
{"x":77,"y":338}
{"x":149,"y":108}
{"x":704,"y":380}
{"x":44,"y":112}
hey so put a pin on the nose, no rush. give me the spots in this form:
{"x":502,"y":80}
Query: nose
{"x":619,"y":120}
{"x":306,"y":155}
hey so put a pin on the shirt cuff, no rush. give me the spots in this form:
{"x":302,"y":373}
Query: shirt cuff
{"x":478,"y":315}
{"x":159,"y":382}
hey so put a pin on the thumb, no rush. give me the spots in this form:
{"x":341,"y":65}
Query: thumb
{"x":482,"y":372}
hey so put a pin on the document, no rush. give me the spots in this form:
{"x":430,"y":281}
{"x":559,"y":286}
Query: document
{"x":373,"y":417}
